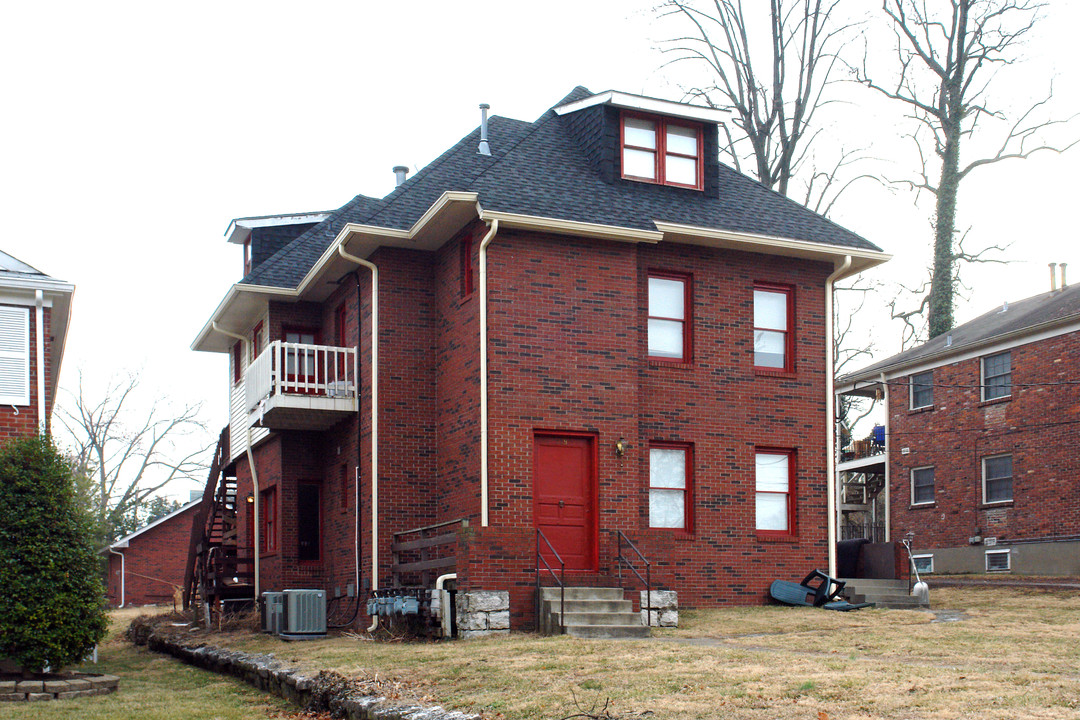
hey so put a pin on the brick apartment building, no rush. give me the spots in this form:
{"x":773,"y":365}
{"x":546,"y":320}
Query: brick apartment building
{"x":980,"y":458}
{"x":580,"y":325}
{"x":147,"y":566}
{"x":34,"y":314}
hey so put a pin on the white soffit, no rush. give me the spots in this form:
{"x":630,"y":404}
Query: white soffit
{"x":647,"y":105}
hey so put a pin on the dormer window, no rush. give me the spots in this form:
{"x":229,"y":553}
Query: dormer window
{"x":661,"y":150}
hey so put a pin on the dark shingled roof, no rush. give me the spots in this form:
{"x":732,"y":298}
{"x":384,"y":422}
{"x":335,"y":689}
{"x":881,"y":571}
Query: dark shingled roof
{"x":539,"y":169}
{"x":1028,"y":314}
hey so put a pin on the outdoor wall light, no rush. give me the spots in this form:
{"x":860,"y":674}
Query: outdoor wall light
{"x":620,"y":447}
{"x":250,"y":498}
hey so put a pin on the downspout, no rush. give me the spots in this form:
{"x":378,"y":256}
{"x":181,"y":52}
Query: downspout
{"x":444,"y":603}
{"x":484,"y":374}
{"x":39,"y":320}
{"x":374,"y":421}
{"x":251,"y":466}
{"x":888,"y":439}
{"x":830,"y":411}
{"x":122,"y":578}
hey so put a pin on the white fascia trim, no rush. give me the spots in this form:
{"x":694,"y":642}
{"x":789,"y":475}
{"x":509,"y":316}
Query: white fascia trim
{"x":125,"y":541}
{"x":397,"y":238}
{"x":773,"y":245}
{"x":56,"y":287}
{"x":646,"y":104}
{"x":230,"y":296}
{"x":240,"y":228}
{"x":571,"y":227}
{"x":989,"y":346}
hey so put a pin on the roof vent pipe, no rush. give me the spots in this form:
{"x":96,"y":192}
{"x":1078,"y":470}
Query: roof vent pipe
{"x":1063,"y":283}
{"x":484,"y":148}
{"x":1053,"y":277}
{"x":400,"y":172}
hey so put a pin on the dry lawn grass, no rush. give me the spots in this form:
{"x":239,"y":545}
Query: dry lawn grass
{"x":153,"y":687}
{"x":1015,"y":655}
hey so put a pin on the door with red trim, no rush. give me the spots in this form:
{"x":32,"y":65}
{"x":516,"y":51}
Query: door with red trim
{"x":564,"y":498}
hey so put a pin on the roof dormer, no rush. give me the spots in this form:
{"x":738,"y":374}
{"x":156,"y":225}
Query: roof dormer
{"x":264,"y":235}
{"x":638,"y":139}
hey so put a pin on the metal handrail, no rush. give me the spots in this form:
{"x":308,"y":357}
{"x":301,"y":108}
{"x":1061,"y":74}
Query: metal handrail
{"x":648,"y":572}
{"x":560,"y":578}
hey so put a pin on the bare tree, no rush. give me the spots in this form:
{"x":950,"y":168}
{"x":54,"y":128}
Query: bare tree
{"x":124,"y":457}
{"x":773,"y":92}
{"x":849,"y":300}
{"x":948,"y":53}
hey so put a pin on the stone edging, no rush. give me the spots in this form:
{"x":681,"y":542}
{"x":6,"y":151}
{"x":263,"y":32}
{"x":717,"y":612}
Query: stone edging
{"x":326,"y":691}
{"x":79,"y":685}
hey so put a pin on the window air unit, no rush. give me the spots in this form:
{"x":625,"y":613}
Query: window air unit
{"x":273,"y":609}
{"x":304,"y":614}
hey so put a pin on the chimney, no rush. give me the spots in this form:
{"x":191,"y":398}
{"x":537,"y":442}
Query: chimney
{"x":400,"y":171}
{"x":1063,"y":283}
{"x":484,"y":148}
{"x":1053,"y":277}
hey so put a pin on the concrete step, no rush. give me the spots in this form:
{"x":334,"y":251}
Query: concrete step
{"x":863,"y":584}
{"x":608,"y":631}
{"x":582,"y":593}
{"x":632,"y":619}
{"x":590,"y":606}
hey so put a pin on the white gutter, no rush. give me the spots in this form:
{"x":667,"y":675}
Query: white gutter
{"x":122,"y":578}
{"x":251,"y":466}
{"x":484,"y":373}
{"x":374,"y":422}
{"x":39,"y":320}
{"x":830,"y":411}
{"x":888,"y":439}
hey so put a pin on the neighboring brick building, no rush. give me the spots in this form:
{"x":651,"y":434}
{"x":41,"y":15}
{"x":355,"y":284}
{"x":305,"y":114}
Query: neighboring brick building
{"x":982,"y":440}
{"x":34,"y":314}
{"x":147,"y":566}
{"x":586,"y":324}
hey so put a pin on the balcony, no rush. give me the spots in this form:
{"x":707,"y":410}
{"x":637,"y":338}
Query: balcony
{"x":296,"y":386}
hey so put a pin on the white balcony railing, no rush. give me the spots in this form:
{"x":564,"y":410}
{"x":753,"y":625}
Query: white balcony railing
{"x":300,"y":369}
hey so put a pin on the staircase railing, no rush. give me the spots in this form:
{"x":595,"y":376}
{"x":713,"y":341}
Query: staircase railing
{"x":647,"y":580}
{"x":560,"y":579}
{"x":198,"y":538}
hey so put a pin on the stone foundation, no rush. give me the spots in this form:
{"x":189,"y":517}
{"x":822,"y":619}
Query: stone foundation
{"x":324,"y":692}
{"x":78,"y":685}
{"x":483,"y":612}
{"x":664,"y":611}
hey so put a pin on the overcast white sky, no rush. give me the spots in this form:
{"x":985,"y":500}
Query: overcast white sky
{"x":132,"y":133}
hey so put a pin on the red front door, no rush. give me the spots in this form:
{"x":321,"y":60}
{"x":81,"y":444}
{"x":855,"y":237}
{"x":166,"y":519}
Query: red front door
{"x":564,"y":482}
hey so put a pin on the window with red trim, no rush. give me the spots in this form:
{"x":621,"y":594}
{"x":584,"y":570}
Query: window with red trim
{"x":671,"y":475}
{"x":256,"y":340}
{"x":237,"y":359}
{"x":774,"y":341}
{"x":669,"y":317}
{"x":774,"y":476}
{"x":268,"y":521}
{"x":465,"y":261}
{"x":662,"y":150}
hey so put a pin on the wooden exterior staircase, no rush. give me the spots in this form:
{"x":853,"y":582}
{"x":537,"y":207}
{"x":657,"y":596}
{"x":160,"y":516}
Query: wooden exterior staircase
{"x":219,"y":571}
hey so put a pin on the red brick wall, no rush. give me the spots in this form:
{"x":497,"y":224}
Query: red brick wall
{"x":154,"y":563}
{"x":567,"y":352}
{"x":23,"y":420}
{"x":1039,"y":424}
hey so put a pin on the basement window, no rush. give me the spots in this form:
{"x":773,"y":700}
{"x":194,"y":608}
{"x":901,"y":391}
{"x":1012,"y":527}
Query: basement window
{"x":662,"y":150}
{"x":924,"y":564}
{"x":998,"y":561}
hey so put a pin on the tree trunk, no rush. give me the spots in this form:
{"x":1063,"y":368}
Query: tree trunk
{"x":942,"y":287}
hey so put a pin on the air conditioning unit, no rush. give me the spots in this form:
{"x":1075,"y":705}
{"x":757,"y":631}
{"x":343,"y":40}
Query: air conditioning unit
{"x":304,"y":615}
{"x":273,"y":610}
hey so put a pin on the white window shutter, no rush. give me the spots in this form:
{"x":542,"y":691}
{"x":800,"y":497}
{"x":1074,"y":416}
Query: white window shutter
{"x":14,"y":356}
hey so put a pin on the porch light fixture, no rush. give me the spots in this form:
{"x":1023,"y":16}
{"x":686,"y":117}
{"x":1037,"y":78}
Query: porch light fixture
{"x":620,"y":447}
{"x":250,"y":498}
